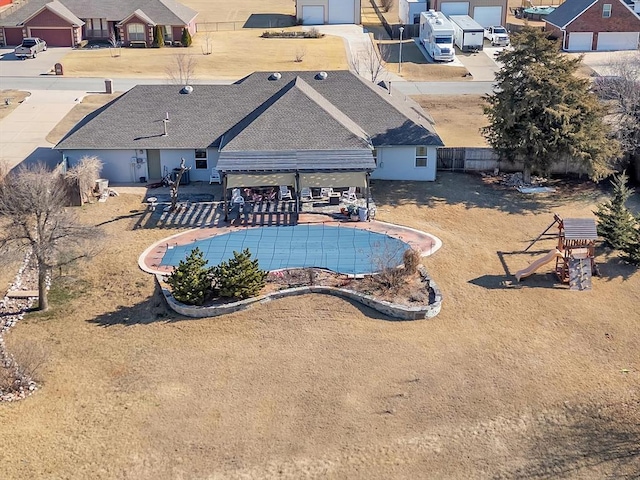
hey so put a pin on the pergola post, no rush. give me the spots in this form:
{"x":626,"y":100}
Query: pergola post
{"x":366,"y":188}
{"x":224,"y":198}
{"x":297,"y":186}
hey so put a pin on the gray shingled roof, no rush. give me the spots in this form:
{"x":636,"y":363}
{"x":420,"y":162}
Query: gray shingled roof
{"x":62,"y":11}
{"x":567,"y":12}
{"x":295,"y":112}
{"x":162,"y":12}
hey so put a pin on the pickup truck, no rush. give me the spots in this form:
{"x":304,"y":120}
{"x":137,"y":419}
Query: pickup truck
{"x":30,"y":48}
{"x":497,"y":35}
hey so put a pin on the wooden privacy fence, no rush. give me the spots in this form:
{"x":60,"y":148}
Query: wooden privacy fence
{"x":479,"y":159}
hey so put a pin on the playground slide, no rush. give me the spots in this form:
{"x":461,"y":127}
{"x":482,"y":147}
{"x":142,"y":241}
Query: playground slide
{"x":525,"y":272}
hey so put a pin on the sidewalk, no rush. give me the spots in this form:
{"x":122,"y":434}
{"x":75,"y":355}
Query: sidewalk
{"x":23,"y":132}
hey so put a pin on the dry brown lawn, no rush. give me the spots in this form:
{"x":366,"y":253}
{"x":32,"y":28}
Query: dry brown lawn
{"x":415,"y":66}
{"x":234,"y":54}
{"x":14,"y":98}
{"x":89,"y":104}
{"x":458,"y":118}
{"x":509,"y":381}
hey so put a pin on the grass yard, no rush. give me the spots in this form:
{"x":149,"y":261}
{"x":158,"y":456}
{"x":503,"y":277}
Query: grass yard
{"x":415,"y":67}
{"x":509,"y":381}
{"x":9,"y":101}
{"x":458,"y":118}
{"x":234,"y":55}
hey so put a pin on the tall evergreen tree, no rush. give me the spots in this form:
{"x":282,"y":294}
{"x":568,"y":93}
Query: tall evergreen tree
{"x":615,"y":222}
{"x":186,"y":37}
{"x":158,"y":36}
{"x":540,"y":111}
{"x":240,"y":277}
{"x":632,"y":249}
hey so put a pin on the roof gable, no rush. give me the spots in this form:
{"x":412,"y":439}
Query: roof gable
{"x":568,"y":12}
{"x":139,"y":14}
{"x":58,"y":9}
{"x":162,"y":12}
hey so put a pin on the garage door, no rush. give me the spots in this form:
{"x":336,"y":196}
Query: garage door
{"x":13,"y":36}
{"x":55,"y":37}
{"x":488,"y":16}
{"x":580,"y":41}
{"x":617,"y":41}
{"x":312,"y":14}
{"x":455,"y":8}
{"x":341,"y":11}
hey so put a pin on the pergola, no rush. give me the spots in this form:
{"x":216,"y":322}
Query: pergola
{"x":299,"y":169}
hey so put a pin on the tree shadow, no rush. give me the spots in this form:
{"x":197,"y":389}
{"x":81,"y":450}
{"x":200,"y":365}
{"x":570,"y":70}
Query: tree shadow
{"x":47,"y":156}
{"x":585,"y":441}
{"x":615,"y":267}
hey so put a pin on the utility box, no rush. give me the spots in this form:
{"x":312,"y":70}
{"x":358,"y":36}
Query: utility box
{"x":409,"y":11}
{"x":184,"y":180}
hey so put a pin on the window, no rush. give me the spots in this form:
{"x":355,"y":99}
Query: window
{"x":606,"y":10}
{"x":136,"y":32}
{"x":421,"y":156}
{"x":168,"y":33}
{"x":96,"y":27}
{"x":201,"y":158}
{"x":374,"y":152}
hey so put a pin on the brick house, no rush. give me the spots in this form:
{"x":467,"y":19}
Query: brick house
{"x":66,"y":23}
{"x":586,"y":25}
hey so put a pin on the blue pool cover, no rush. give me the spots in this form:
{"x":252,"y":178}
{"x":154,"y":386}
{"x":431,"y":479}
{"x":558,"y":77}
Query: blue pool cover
{"x":344,"y":250}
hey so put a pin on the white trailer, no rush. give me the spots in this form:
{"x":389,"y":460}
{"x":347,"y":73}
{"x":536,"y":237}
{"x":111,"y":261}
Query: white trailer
{"x":409,"y":11}
{"x":468,"y":34}
{"x":436,"y":34}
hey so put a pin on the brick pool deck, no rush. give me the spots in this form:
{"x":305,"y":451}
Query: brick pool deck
{"x":150,"y":259}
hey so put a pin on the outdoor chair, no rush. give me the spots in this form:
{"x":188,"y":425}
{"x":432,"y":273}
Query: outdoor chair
{"x":271,"y":196}
{"x":350,"y":195}
{"x":215,"y":177}
{"x":236,"y":197}
{"x":325,"y":192}
{"x":305,"y":194}
{"x":284,"y":193}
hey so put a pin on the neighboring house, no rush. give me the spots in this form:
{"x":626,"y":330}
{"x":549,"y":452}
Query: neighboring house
{"x":319,"y":12}
{"x":326,"y":129}
{"x":409,"y":11}
{"x":485,"y":12}
{"x":585,"y":25}
{"x":65,"y":23}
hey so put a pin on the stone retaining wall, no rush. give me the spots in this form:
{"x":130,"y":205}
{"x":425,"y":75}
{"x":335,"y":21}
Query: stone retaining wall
{"x":392,"y":310}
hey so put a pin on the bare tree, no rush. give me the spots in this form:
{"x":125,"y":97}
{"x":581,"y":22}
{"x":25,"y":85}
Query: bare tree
{"x":113,"y":44}
{"x":300,"y":53}
{"x":370,"y":62}
{"x":620,"y":91}
{"x":84,"y":175}
{"x":182,"y":70}
{"x":33,"y":207}
{"x":207,"y":48}
{"x":175,"y":184}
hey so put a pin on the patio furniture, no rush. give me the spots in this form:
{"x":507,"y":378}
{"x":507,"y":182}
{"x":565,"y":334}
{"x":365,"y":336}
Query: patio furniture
{"x":334,"y":198}
{"x":271,"y":195}
{"x":325,"y":192}
{"x":305,"y":193}
{"x":350,"y":195}
{"x":236,"y":197}
{"x":215,"y":177}
{"x":284,"y":193}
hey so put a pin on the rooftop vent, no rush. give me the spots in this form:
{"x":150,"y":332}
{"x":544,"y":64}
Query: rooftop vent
{"x":187,"y":89}
{"x":275,"y":76}
{"x":322,"y":75}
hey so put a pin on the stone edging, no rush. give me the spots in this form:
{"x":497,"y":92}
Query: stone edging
{"x":393,"y":310}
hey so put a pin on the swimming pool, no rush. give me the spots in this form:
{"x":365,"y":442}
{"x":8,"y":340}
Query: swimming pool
{"x":346,"y":250}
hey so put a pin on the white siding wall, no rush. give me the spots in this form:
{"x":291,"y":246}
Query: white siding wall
{"x":399,"y":163}
{"x":117,"y":164}
{"x":171,"y":159}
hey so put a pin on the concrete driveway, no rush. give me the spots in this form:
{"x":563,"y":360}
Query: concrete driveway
{"x":10,"y":66}
{"x":603,"y":63}
{"x":23,"y":132}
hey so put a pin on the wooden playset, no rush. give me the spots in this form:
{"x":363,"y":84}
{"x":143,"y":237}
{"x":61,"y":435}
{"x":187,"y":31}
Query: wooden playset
{"x":574,"y":255}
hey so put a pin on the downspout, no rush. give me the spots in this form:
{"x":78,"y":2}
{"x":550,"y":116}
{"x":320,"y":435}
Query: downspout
{"x":564,"y":40}
{"x":366,"y":188}
{"x":297,"y":193}
{"x":224,"y":198}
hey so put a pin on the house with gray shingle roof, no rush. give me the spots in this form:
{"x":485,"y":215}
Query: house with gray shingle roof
{"x":603,"y":25}
{"x":319,"y":129}
{"x":66,"y":23}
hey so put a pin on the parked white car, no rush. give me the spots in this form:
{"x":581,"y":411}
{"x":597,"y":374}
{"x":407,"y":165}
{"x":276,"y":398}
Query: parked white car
{"x":497,"y":35}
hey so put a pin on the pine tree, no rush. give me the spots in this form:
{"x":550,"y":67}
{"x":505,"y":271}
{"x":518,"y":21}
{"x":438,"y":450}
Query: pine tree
{"x":540,"y":111}
{"x":158,"y":36}
{"x":240,"y":277}
{"x":632,"y":249}
{"x":615,"y":222}
{"x":191,"y":280}
{"x":186,"y":38}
